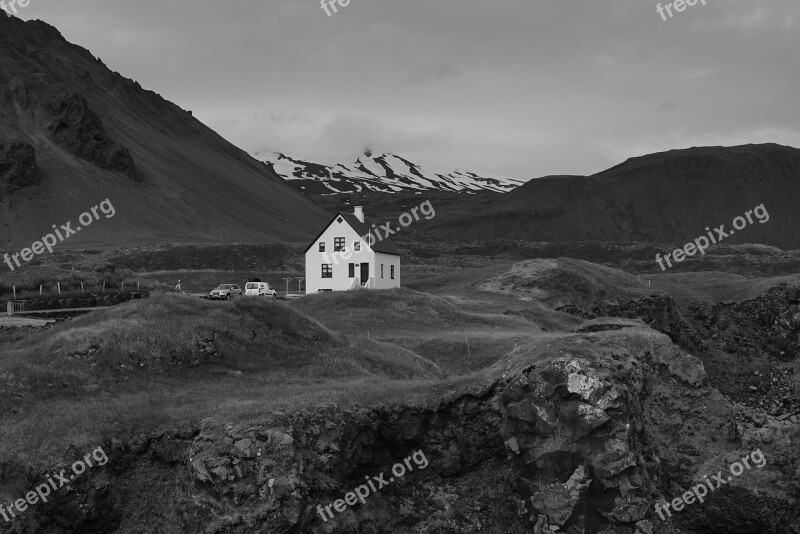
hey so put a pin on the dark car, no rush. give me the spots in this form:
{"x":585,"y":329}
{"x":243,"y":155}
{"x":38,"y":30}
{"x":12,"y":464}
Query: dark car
{"x":225,"y":292}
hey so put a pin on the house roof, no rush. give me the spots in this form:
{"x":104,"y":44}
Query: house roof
{"x":363,"y":229}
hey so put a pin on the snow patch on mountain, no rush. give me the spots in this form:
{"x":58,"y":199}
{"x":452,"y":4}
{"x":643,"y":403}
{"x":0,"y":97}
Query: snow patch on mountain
{"x":386,"y":173}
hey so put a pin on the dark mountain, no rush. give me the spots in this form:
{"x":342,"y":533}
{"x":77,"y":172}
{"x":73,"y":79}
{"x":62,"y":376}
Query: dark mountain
{"x":668,"y":197}
{"x":73,"y":133}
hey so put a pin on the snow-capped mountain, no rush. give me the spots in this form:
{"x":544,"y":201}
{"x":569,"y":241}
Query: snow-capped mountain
{"x":386,"y":173}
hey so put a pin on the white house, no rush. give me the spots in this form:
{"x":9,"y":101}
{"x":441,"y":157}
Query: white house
{"x":345,"y":256}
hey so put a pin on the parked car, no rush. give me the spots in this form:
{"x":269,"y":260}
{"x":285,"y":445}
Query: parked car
{"x":258,"y":289}
{"x":225,"y":291}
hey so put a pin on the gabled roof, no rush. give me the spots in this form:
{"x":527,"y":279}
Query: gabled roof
{"x":363,"y":229}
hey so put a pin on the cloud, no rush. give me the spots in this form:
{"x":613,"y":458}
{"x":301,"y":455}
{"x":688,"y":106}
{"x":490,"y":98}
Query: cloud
{"x":427,"y":73}
{"x":531,"y":89}
{"x":340,"y":136}
{"x":670,"y":104}
{"x":349,"y":133}
{"x":282,"y":116}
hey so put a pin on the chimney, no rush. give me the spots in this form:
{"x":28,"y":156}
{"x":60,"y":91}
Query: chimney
{"x":358,"y":211}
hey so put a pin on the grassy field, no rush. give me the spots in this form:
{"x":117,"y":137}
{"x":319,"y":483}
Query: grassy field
{"x":173,"y":360}
{"x":716,"y":286}
{"x":434,"y":328}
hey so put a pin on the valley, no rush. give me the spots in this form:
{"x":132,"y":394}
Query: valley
{"x":533,"y":347}
{"x":178,"y":381}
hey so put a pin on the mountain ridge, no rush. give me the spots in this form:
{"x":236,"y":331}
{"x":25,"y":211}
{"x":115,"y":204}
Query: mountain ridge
{"x":94,"y":134}
{"x":387,"y":173}
{"x":665,"y":197}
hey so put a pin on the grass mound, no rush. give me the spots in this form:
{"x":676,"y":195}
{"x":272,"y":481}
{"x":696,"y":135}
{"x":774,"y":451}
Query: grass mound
{"x":389,"y":311}
{"x":172,"y":330}
{"x":173,"y":359}
{"x":566,"y":282}
{"x":183,"y":337}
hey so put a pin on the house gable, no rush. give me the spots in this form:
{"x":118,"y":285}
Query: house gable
{"x":362,"y":229}
{"x":324,"y":229}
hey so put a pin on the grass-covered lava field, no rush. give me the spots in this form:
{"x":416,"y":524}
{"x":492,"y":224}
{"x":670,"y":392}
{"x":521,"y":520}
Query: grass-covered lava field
{"x":242,"y":416}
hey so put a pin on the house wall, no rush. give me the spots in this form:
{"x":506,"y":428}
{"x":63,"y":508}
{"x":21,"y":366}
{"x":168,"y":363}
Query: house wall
{"x":387,"y":260}
{"x":340,"y":260}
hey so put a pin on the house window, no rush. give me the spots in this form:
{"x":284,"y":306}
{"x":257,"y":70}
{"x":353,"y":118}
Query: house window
{"x":381,"y":270}
{"x":327,"y":270}
{"x":392,"y":271}
{"x":351,"y":270}
{"x":322,"y":246}
{"x":356,"y":245}
{"x":338,"y":244}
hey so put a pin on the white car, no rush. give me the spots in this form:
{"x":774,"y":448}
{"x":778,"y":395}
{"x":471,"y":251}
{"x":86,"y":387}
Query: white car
{"x":254,"y":289}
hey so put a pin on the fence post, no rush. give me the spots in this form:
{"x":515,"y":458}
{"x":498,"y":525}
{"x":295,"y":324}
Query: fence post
{"x":15,"y":291}
{"x":10,"y":308}
{"x":40,"y":290}
{"x":82,"y":291}
{"x":104,"y":286}
{"x":122,"y":286}
{"x":59,"y":287}
{"x":137,"y":285}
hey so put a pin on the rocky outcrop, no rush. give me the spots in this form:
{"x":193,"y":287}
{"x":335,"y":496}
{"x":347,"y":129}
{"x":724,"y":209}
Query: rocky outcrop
{"x":79,"y":130}
{"x":660,"y":312}
{"x":577,"y":433}
{"x":71,"y":122}
{"x":586,"y":438}
{"x":769,"y":323}
{"x":17,"y":165}
{"x":279,"y":471}
{"x":747,"y":347}
{"x":573,"y":424}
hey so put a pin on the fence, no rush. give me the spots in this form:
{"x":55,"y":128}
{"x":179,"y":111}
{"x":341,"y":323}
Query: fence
{"x":15,"y":307}
{"x":69,"y":285}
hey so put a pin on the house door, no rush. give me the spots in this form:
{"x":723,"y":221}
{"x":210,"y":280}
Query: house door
{"x":364,"y":273}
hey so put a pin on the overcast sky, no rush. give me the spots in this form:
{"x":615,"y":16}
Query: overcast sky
{"x":522,"y":88}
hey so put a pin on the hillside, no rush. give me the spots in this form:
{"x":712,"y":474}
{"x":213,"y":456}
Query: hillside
{"x":668,"y":197}
{"x":387,"y":173}
{"x":73,"y":133}
{"x":249,"y":416}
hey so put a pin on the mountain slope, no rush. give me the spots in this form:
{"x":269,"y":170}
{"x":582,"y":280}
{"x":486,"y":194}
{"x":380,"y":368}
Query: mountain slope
{"x":668,"y":197}
{"x":73,"y":133}
{"x":387,"y":173}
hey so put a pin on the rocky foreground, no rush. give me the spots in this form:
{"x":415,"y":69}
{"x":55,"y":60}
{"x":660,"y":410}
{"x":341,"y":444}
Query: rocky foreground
{"x":583,"y":432}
